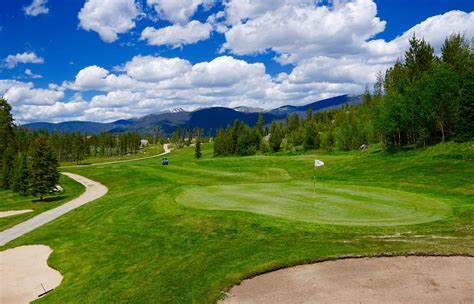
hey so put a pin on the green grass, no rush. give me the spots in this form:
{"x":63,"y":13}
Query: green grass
{"x":10,"y":200}
{"x":151,"y":150}
{"x":137,"y":244}
{"x":329,"y":204}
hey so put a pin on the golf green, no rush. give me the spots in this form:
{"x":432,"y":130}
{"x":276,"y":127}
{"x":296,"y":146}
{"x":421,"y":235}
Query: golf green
{"x":329,"y":204}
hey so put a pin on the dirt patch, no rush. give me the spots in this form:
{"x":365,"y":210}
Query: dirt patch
{"x":13,"y":212}
{"x":22,"y":271}
{"x":364,"y":280}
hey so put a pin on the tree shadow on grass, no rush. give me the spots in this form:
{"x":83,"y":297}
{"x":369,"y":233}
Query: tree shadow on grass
{"x":49,"y":199}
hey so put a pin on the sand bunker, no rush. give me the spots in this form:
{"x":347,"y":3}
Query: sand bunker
{"x":22,"y":270}
{"x":13,"y":212}
{"x":367,"y":280}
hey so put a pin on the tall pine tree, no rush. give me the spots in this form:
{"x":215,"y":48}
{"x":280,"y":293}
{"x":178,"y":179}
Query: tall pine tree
{"x":44,"y":173}
{"x":197,"y":151}
{"x":7,"y":143}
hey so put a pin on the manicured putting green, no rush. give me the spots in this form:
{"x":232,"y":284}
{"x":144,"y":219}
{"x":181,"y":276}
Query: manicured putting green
{"x":334,"y":204}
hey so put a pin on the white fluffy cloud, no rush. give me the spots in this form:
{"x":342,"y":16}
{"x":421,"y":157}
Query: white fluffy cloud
{"x":98,"y":78}
{"x":59,"y":111}
{"x":332,"y":70}
{"x":147,"y":84}
{"x":23,"y":93}
{"x":436,"y":28}
{"x":27,"y":57}
{"x":298,"y":31}
{"x":155,"y":69}
{"x":30,"y":74}
{"x":177,"y":11}
{"x":177,"y":35}
{"x":108,"y":17}
{"x":37,"y":7}
{"x":241,"y":10}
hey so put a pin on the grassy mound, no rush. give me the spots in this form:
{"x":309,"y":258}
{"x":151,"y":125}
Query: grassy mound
{"x":332,"y":204}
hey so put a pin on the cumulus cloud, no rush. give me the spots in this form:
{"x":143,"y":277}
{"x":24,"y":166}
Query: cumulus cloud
{"x":242,"y":10}
{"x":23,"y":93}
{"x":30,"y":74}
{"x":177,"y":35}
{"x":436,"y":28}
{"x":37,"y":7}
{"x":178,"y":11}
{"x":59,"y":111}
{"x":27,"y":57}
{"x":148,"y":84}
{"x":108,"y":17}
{"x":155,"y":69}
{"x":298,"y":31}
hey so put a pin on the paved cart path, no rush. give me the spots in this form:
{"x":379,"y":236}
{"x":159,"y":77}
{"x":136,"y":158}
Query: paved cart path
{"x":94,"y":190}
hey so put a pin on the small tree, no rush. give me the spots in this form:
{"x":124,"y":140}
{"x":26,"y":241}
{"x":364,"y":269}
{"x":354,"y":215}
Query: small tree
{"x":197,"y":150}
{"x":43,"y":169}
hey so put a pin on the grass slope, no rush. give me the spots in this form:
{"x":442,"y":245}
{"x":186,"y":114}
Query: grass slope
{"x":137,"y":244}
{"x":10,"y":200}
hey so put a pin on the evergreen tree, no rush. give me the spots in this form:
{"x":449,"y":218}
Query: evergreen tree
{"x":378,"y":86}
{"x":311,"y":136}
{"x":43,"y":169}
{"x":7,"y":143}
{"x":419,"y":58}
{"x":260,"y":124}
{"x":276,"y":136}
{"x":197,"y":150}
{"x":19,"y":182}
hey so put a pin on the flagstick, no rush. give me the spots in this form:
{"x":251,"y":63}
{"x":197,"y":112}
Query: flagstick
{"x":314,"y":184}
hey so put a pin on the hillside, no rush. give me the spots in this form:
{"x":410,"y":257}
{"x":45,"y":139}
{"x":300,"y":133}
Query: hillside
{"x":209,"y":119}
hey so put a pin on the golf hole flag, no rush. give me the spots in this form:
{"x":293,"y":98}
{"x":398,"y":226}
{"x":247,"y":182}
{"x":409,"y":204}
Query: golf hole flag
{"x":318,"y":163}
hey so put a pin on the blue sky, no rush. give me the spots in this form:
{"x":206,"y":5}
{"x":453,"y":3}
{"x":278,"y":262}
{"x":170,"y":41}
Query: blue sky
{"x":103,"y":60}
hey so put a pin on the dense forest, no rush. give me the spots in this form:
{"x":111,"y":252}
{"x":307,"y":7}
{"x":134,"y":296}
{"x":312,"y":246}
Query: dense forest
{"x":421,"y":100}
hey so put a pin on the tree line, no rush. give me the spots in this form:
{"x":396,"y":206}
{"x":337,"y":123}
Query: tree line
{"x":421,"y":100}
{"x":78,"y":146}
{"x":28,"y":162}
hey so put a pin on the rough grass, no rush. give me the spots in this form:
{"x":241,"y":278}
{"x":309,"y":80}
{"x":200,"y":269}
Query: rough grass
{"x":137,"y":244}
{"x":10,"y":200}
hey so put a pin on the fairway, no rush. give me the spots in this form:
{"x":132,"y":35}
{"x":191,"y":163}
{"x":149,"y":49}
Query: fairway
{"x":332,"y":204}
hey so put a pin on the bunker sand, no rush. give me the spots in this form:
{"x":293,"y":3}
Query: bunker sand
{"x":365,"y":280}
{"x":22,"y":271}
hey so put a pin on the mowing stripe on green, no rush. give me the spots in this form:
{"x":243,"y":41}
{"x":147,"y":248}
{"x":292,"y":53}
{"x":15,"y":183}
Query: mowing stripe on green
{"x":333,"y":204}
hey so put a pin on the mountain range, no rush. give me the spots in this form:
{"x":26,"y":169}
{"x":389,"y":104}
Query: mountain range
{"x":210,"y":119}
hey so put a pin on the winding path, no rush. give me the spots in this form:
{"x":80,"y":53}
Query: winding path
{"x":165,"y":146}
{"x":94,"y":190}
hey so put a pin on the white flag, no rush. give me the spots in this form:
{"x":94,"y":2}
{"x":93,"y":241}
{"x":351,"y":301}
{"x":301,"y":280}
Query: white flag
{"x":318,"y":163}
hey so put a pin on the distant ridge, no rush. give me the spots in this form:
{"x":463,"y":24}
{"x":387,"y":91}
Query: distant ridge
{"x":210,"y":119}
